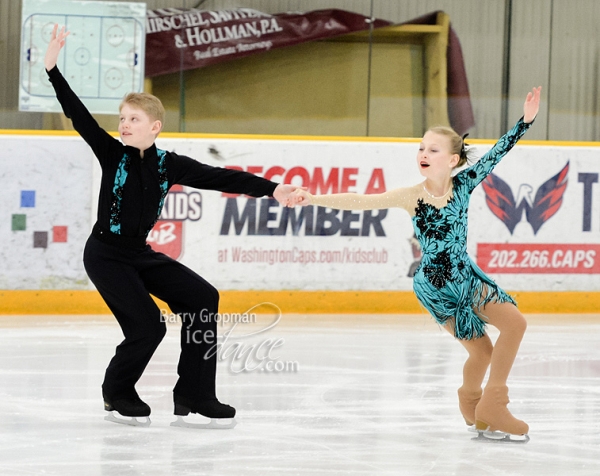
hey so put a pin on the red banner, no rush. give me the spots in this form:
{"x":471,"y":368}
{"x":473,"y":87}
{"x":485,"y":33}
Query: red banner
{"x":550,"y":258}
{"x":178,"y":39}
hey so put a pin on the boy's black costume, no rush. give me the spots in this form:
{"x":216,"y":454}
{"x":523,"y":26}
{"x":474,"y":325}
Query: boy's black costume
{"x":125,"y":270}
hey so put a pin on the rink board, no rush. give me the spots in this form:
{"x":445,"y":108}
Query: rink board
{"x":241,"y":244}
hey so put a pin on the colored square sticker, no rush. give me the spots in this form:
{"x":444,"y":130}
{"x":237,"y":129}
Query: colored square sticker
{"x":40,"y":239}
{"x":59,"y":234}
{"x":19,"y":222}
{"x":27,"y":198}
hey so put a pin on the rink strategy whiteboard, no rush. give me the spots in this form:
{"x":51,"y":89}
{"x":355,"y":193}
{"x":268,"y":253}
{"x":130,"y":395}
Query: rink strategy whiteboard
{"x":103,"y":58}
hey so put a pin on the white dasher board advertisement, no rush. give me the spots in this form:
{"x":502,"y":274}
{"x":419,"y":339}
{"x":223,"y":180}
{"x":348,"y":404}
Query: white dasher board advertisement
{"x":103,"y":57}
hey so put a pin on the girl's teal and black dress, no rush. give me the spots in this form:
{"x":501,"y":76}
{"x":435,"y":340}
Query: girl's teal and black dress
{"x":447,"y":282}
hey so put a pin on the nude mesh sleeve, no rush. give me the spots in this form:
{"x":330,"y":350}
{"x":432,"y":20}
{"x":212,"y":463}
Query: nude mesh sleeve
{"x":355,"y":201}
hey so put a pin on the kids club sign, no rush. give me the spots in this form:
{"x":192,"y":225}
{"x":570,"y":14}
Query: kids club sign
{"x":167,"y":235}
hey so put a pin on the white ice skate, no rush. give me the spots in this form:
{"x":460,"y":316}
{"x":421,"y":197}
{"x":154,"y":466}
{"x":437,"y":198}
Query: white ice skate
{"x":212,"y":414}
{"x":492,"y":414}
{"x":212,"y":424}
{"x":489,"y":436}
{"x":131,"y":421}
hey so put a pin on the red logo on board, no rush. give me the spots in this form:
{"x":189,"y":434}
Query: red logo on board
{"x":167,"y":235}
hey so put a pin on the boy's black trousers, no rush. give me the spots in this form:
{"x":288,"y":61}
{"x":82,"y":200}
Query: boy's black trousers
{"x":125,"y":276}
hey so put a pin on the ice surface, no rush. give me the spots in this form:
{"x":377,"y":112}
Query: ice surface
{"x":358,"y":395}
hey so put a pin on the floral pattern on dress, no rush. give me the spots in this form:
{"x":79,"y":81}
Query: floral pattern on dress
{"x":163,"y":183}
{"x":447,"y":282}
{"x":439,"y":270}
{"x":430,"y":221}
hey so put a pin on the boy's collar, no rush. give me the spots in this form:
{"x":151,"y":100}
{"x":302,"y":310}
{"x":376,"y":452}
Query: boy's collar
{"x":134,"y":151}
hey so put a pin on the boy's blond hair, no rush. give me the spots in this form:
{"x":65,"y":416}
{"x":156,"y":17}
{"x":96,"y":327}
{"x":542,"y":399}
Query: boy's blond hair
{"x":148,"y":103}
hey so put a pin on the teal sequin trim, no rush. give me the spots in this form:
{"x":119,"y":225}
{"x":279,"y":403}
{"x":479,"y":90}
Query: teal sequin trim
{"x":163,"y":184}
{"x":121,"y":177}
{"x":115,"y":208}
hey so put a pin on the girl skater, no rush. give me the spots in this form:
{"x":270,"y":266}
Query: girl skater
{"x":136,"y":177}
{"x":448,"y":283}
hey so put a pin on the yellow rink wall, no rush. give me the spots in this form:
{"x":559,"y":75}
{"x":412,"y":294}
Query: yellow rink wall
{"x":296,"y":302}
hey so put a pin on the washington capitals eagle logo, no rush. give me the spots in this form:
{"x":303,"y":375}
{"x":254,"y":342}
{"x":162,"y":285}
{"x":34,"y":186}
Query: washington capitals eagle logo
{"x":538,"y":211}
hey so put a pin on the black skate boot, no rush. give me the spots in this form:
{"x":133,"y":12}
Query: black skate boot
{"x":212,"y":409}
{"x":132,"y":407}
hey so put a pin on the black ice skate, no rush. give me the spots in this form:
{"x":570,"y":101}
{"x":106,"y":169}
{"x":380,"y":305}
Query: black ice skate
{"x":221,"y":415}
{"x":134,"y":408}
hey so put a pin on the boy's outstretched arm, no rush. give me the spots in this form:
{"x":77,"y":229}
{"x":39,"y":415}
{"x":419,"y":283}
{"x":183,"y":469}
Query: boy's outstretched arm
{"x":57,"y":41}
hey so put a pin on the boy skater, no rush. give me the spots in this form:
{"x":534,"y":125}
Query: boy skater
{"x":136,"y":177}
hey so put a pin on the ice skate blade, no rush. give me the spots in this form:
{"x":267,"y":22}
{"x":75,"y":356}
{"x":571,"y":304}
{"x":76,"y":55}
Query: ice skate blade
{"x":488,"y":436}
{"x":214,"y":424}
{"x":133,"y":421}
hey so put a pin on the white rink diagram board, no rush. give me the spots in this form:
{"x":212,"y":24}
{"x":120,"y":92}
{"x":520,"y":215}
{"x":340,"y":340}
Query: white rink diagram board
{"x":103,"y":57}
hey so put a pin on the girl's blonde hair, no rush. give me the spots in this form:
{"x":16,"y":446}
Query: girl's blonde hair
{"x":148,"y":103}
{"x":457,"y":143}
